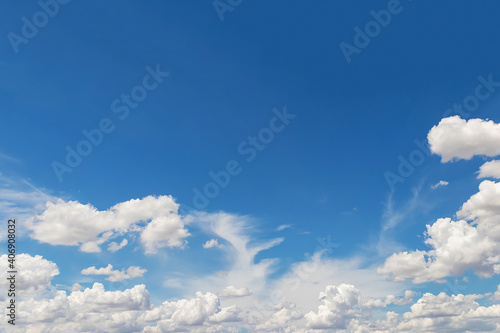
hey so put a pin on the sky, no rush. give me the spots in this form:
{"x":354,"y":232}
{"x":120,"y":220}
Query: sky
{"x":251,"y":166}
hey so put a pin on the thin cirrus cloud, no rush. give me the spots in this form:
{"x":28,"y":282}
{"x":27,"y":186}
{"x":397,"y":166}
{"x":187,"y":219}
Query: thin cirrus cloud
{"x":441,"y":183}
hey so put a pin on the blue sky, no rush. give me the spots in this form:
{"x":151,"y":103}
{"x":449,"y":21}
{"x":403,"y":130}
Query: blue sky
{"x":236,"y":69}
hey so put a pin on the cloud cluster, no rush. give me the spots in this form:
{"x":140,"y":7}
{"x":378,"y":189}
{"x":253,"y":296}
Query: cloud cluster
{"x":343,"y":308}
{"x":455,"y":138}
{"x":204,"y":309}
{"x":456,"y":245}
{"x":85,"y":226}
{"x":34,"y":273}
{"x":115,"y":275}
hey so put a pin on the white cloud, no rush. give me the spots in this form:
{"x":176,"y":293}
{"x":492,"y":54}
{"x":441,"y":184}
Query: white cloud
{"x":212,"y":243}
{"x":483,"y":208}
{"x":90,"y":310}
{"x":338,"y":308}
{"x":438,"y":313}
{"x":115,"y":275}
{"x":342,"y":307}
{"x":455,"y":138}
{"x":232,"y":291}
{"x":456,"y":245}
{"x":490,"y":169}
{"x":283,"y":227}
{"x":184,"y":313}
{"x":72,"y":223}
{"x":34,"y":274}
{"x":441,"y":183}
{"x":344,"y":303}
{"x":113,"y":246}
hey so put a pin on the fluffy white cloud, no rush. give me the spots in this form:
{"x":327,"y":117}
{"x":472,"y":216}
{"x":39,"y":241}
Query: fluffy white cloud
{"x":456,"y":138}
{"x":456,"y":245}
{"x":343,"y":308}
{"x":212,"y":243}
{"x":439,"y":184}
{"x":113,"y":246}
{"x":490,"y":169}
{"x":90,"y":310}
{"x":34,"y":273}
{"x":483,"y":208}
{"x":438,"y":313}
{"x":340,"y":305}
{"x":185,"y":313}
{"x":343,"y":304}
{"x":72,"y":223}
{"x":232,"y":291}
{"x":115,"y":275}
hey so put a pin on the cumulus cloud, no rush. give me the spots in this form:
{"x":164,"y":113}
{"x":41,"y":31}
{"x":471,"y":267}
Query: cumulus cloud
{"x":90,"y":310}
{"x":232,"y":291}
{"x":490,"y":169}
{"x":115,"y":275}
{"x":483,"y":208}
{"x":456,"y":245}
{"x":441,"y":183}
{"x":113,"y":246}
{"x":185,"y":313}
{"x":34,"y":273}
{"x":343,"y":308}
{"x":340,"y":305}
{"x":455,"y":138}
{"x":439,"y":313}
{"x":344,"y":303}
{"x":212,"y":243}
{"x":72,"y":223}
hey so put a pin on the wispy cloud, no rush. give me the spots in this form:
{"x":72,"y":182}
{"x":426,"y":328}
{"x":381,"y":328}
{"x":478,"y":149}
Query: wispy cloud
{"x":441,"y":183}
